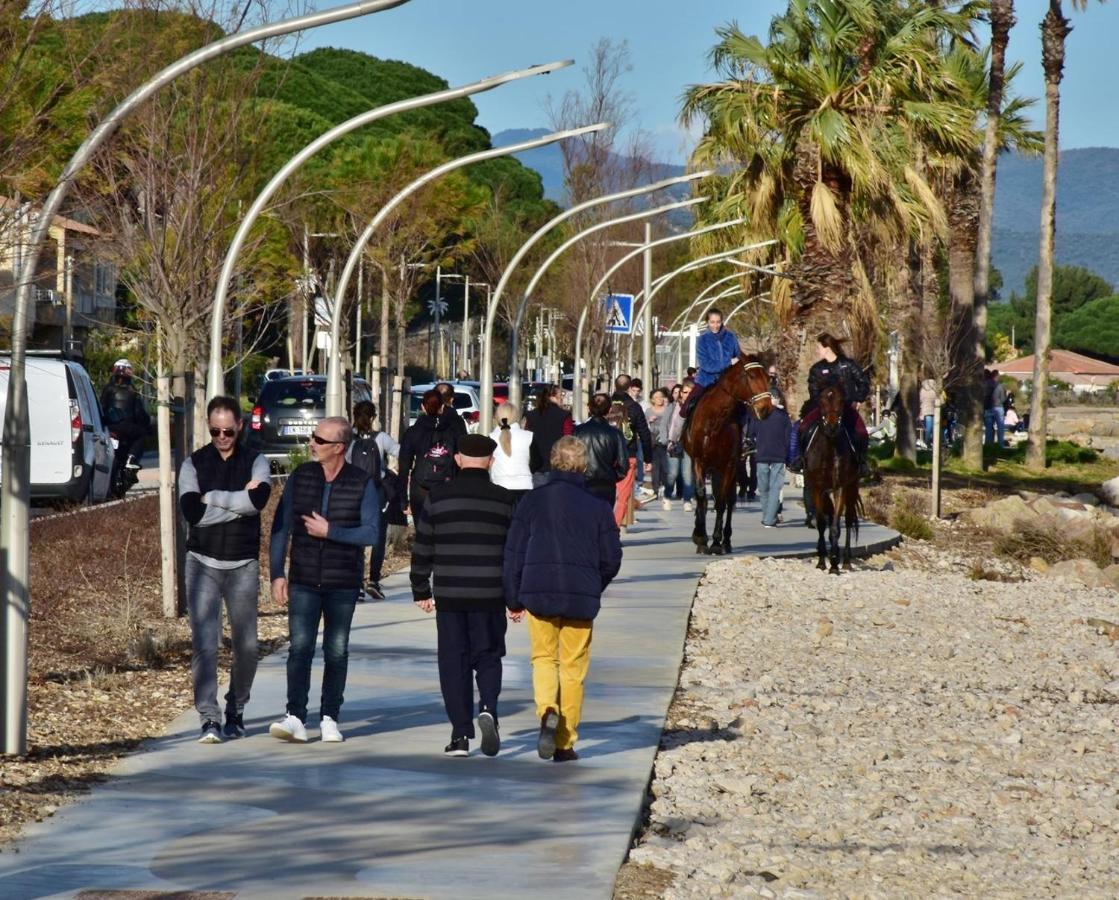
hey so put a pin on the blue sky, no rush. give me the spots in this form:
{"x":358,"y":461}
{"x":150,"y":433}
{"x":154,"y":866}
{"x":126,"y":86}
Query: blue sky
{"x":463,"y":40}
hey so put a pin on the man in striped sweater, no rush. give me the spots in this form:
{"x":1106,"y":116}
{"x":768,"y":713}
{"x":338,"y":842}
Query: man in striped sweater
{"x":460,"y":539}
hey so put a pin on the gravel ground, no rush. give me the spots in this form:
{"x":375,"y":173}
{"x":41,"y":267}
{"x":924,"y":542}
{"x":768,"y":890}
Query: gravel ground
{"x":902,"y":730}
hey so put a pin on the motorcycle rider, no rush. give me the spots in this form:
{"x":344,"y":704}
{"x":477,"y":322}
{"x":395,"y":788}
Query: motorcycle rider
{"x":128,"y":420}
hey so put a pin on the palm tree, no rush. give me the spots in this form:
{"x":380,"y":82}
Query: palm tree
{"x":821,"y":130}
{"x":1054,"y":30}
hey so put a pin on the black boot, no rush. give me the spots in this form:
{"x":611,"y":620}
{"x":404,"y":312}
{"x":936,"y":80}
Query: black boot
{"x":797,"y":465}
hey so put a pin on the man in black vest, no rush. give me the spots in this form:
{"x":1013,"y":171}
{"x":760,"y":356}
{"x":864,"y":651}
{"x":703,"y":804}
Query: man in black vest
{"x":460,"y":536}
{"x":222,"y":489}
{"x":329,"y":512}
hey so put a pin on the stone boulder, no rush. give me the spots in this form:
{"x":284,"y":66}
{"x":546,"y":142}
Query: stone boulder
{"x":1083,"y":570}
{"x":1109,"y":490}
{"x":1001,"y":514}
{"x":1111,"y":573}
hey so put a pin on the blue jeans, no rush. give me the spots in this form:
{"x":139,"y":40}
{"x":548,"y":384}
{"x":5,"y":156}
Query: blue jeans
{"x":928,"y":422}
{"x":771,"y":478}
{"x":995,"y":422}
{"x":681,"y":467}
{"x":306,"y":606}
{"x":640,"y":463}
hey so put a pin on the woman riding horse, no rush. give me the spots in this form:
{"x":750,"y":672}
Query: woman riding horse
{"x":834,"y":366}
{"x":716,"y":350}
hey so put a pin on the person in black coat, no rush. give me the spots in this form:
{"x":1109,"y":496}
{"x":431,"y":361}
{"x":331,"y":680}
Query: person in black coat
{"x":835,"y":367}
{"x":450,"y":414}
{"x":562,"y":551}
{"x":607,"y":454}
{"x":427,"y":452}
{"x":548,"y":422}
{"x":460,"y":539}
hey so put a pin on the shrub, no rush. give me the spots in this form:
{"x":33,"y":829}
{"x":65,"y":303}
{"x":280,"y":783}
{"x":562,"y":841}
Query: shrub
{"x":298,"y":456}
{"x":907,"y":516}
{"x":1029,"y":539}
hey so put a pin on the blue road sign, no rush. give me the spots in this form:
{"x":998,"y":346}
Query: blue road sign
{"x":618,"y":309}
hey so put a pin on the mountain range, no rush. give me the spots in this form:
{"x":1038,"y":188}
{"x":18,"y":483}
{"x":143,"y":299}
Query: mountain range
{"x":1087,"y":206}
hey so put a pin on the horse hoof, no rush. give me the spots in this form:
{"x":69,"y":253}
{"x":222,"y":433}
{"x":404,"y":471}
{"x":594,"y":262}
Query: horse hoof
{"x":717,"y":550}
{"x":699,"y":549}
{"x":821,"y":566}
{"x":834,"y":570}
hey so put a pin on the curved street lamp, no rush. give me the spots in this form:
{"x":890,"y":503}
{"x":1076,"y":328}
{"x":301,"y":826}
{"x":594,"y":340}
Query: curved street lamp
{"x":15,"y":487}
{"x":577,"y":408}
{"x":678,"y":325}
{"x":215,"y":379}
{"x":334,"y":371}
{"x":486,"y":373}
{"x":526,"y":298}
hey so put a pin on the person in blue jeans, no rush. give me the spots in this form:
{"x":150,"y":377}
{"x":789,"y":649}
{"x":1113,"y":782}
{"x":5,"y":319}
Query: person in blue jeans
{"x":329,"y":513}
{"x":679,"y":463}
{"x":772,"y":437}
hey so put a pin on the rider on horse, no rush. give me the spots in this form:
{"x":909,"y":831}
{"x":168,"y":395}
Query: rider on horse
{"x":835,"y":367}
{"x":716,"y":349}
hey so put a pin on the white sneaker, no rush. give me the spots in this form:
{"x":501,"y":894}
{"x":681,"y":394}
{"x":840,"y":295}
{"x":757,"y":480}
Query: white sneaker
{"x":328,"y":731}
{"x":666,"y":505}
{"x":289,"y":728}
{"x":688,"y":506}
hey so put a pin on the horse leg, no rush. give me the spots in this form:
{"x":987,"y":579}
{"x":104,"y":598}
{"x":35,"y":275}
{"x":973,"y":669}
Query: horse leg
{"x":851,"y":502}
{"x":726,"y":523}
{"x":835,"y":512}
{"x":699,"y":532}
{"x":822,"y":503}
{"x":719,"y":489}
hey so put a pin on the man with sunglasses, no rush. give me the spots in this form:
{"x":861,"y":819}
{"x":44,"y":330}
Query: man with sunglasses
{"x":222,"y":489}
{"x":330,"y":513}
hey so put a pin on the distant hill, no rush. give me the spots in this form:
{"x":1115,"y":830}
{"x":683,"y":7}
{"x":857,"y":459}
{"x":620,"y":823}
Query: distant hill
{"x":1087,"y":206}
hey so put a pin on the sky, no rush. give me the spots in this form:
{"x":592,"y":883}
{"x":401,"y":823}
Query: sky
{"x":669,"y":40}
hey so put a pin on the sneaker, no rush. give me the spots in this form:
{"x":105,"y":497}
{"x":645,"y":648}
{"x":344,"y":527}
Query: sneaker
{"x":234,"y":724}
{"x":688,"y":507}
{"x":363,"y":597}
{"x":133,"y":463}
{"x":328,"y":731}
{"x":373,"y":589}
{"x":666,"y":505}
{"x":568,"y":754}
{"x":491,"y":740}
{"x":211,"y":733}
{"x":458,"y":747}
{"x":546,"y":743}
{"x":767,"y":525}
{"x":289,"y":728}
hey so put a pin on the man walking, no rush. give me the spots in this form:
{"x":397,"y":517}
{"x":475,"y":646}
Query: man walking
{"x":994,"y":411}
{"x":771,"y":435}
{"x":222,"y":489}
{"x":607,"y":454}
{"x":329,"y":512}
{"x":460,"y":538}
{"x":627,"y":415}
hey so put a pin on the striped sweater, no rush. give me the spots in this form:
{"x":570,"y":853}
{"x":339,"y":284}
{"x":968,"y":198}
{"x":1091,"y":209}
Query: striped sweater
{"x":460,"y":539}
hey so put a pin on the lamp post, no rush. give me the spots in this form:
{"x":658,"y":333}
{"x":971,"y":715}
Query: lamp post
{"x":440,"y":276}
{"x":215,"y":378}
{"x":526,"y":298}
{"x":486,"y":374}
{"x":15,"y":485}
{"x":334,"y":374}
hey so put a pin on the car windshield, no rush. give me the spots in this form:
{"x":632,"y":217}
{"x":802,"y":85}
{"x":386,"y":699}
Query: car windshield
{"x":462,"y":401}
{"x":309,"y":394}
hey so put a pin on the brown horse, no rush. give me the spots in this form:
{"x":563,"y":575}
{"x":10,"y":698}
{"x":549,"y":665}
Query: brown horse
{"x":833,"y":477}
{"x":713,"y":440}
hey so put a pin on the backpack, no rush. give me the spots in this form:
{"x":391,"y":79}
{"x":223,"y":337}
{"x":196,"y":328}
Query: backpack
{"x":618,"y":417}
{"x":367,"y":457}
{"x":437,"y":465}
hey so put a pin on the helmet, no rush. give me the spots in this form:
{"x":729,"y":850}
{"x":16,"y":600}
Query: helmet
{"x":121,"y":364}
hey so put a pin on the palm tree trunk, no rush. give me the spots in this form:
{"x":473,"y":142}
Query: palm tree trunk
{"x":1002,"y":20}
{"x":967,"y":370}
{"x":1054,"y":31}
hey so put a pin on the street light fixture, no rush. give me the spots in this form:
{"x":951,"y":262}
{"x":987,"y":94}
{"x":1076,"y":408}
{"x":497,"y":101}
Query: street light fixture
{"x":334,"y":375}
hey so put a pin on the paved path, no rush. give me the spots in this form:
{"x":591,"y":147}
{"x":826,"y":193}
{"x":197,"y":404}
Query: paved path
{"x":384,"y":814}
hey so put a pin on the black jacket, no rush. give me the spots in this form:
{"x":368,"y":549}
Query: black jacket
{"x":460,"y":538}
{"x":607,"y":455}
{"x":845,"y":371}
{"x":639,"y":424}
{"x":419,"y":438}
{"x":322,"y":563}
{"x":121,"y":403}
{"x":547,"y":427}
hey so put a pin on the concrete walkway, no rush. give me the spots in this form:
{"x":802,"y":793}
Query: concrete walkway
{"x":385,"y":814}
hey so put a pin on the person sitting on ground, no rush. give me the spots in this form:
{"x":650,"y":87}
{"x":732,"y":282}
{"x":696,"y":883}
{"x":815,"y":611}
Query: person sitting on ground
{"x":835,"y":367}
{"x":562,"y":551}
{"x":511,"y":459}
{"x":607,"y":454}
{"x":548,"y":422}
{"x":468,"y":595}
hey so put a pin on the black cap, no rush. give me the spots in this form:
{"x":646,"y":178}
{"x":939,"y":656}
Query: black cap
{"x":477,"y":446}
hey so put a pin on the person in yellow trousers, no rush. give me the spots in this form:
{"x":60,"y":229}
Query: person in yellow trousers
{"x":561,"y":552}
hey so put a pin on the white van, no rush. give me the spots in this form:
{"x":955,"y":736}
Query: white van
{"x":71,"y":449}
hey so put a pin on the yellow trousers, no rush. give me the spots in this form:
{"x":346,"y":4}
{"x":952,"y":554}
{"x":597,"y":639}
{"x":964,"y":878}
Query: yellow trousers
{"x":561,"y":656}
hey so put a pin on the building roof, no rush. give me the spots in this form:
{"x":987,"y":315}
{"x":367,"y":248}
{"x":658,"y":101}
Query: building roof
{"x":58,"y":221}
{"x":1064,"y":361}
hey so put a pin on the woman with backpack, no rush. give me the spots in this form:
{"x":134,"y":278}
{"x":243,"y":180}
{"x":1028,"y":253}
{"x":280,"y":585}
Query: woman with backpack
{"x":427,"y":453}
{"x":511,"y":469}
{"x":370,"y":451}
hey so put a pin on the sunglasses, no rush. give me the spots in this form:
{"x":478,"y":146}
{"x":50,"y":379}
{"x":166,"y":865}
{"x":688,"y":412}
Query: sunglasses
{"x":223,"y":432}
{"x":321,"y":440}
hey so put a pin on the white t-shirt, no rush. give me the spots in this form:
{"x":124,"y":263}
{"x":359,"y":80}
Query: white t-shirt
{"x":512,"y":472}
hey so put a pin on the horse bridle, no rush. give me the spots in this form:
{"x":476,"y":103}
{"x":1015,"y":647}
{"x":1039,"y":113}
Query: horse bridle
{"x":746,"y":367}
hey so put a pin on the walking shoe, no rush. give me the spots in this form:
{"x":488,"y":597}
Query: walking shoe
{"x":459,"y":747}
{"x":751,"y":498}
{"x":546,"y":743}
{"x":289,"y":728}
{"x":211,"y":733}
{"x":768,"y":525}
{"x":568,"y":754}
{"x":688,"y":506}
{"x":328,"y":731}
{"x":133,"y":463}
{"x":666,"y":505}
{"x":373,"y":589}
{"x":491,"y":740}
{"x":234,"y":724}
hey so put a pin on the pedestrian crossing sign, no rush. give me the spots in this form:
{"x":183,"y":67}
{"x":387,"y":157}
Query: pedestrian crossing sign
{"x":618,"y":309}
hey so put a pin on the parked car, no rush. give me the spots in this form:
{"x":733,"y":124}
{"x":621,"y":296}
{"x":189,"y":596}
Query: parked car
{"x":71,"y":450}
{"x":285,"y":414}
{"x":467,"y":403}
{"x":500,"y":390}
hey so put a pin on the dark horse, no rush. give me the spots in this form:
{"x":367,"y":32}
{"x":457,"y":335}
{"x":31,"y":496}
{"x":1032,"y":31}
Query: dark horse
{"x":713,"y":440}
{"x":832,"y":473}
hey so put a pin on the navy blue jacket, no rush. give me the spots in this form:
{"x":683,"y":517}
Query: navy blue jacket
{"x":771,"y":434}
{"x":562,"y":550}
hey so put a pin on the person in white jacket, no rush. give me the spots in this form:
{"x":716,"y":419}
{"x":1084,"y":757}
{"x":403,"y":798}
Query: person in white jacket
{"x":510,"y":460}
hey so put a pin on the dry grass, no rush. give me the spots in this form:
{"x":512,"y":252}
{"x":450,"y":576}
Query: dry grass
{"x":1029,"y":540}
{"x":908,"y":516}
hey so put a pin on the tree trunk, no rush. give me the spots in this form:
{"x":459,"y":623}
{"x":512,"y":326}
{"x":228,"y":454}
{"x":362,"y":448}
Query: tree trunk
{"x":1002,"y":20}
{"x":166,"y":483}
{"x":967,"y":375}
{"x":1054,"y":31}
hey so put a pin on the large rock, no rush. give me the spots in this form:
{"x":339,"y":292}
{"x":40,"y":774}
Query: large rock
{"x":1083,"y":570}
{"x":1111,"y":573}
{"x":1109,"y":490}
{"x":1002,"y":514}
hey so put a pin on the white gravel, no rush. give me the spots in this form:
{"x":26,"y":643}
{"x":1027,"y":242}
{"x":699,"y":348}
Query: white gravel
{"x":894,"y":732}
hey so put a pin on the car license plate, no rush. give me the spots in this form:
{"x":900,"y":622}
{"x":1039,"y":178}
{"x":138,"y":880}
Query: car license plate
{"x":299,"y":430}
